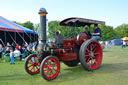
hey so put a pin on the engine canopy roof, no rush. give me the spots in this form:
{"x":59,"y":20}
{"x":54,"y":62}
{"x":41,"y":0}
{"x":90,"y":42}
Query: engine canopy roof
{"x":79,"y":22}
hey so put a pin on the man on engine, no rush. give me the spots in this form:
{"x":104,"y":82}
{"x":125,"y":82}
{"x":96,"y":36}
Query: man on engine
{"x":96,"y":35}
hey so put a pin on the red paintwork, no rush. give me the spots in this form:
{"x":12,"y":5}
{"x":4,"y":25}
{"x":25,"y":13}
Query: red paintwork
{"x":51,"y":68}
{"x":69,"y":43}
{"x":81,"y":37}
{"x":66,"y":53}
{"x":68,"y":57}
{"x":60,"y":51}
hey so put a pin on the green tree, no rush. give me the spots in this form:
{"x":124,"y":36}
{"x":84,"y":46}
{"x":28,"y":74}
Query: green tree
{"x":52,"y":27}
{"x":66,"y":31}
{"x":29,"y":25}
{"x":122,"y":30}
{"x":108,"y":33}
{"x":37,"y":28}
{"x":19,"y":23}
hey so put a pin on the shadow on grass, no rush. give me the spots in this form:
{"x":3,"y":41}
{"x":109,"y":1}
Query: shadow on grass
{"x":13,"y":77}
{"x":72,"y":73}
{"x":114,"y":67}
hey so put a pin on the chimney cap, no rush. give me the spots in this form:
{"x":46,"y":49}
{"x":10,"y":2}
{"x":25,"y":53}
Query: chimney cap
{"x":43,"y":10}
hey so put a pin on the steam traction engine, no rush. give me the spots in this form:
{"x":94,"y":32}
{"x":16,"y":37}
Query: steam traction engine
{"x":76,"y":50}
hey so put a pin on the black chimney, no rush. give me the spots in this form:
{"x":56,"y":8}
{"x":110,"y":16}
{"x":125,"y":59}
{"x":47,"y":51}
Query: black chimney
{"x":43,"y":14}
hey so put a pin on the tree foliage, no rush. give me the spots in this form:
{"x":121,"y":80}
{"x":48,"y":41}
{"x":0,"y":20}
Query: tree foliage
{"x":108,"y":33}
{"x":27,"y":24}
{"x":66,"y":31}
{"x":122,"y":30}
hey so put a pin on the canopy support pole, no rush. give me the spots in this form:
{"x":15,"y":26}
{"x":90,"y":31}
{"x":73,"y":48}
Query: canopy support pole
{"x":30,"y":38}
{"x":12,"y":38}
{"x":5,"y":37}
{"x":15,"y":36}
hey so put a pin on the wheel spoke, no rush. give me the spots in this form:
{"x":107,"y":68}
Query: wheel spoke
{"x":36,"y":67}
{"x":88,"y":59}
{"x":29,"y":66}
{"x":53,"y":65}
{"x":51,"y":72}
{"x":38,"y":64}
{"x":32,"y":68}
{"x":47,"y":72}
{"x":54,"y":69}
{"x":93,"y":47}
{"x":94,"y":50}
{"x":45,"y":65}
{"x":96,"y":53}
{"x":49,"y":62}
{"x":87,"y":49}
{"x":86,"y":55}
{"x":29,"y":62}
{"x":91,"y":58}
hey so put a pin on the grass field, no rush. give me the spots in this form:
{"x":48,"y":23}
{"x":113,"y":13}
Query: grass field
{"x":113,"y":71}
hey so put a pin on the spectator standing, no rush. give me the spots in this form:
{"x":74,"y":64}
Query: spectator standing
{"x":124,"y":43}
{"x":12,"y":57}
{"x":1,"y":50}
{"x":21,"y":52}
{"x":7,"y":50}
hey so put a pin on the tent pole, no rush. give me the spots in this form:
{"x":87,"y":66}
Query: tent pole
{"x":5,"y":37}
{"x":30,"y":37}
{"x":23,"y":38}
{"x":12,"y":38}
{"x":15,"y":36}
{"x":34,"y":38}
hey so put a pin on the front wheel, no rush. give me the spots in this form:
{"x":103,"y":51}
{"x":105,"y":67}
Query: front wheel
{"x":90,"y":54}
{"x":50,"y":68}
{"x":32,"y":64}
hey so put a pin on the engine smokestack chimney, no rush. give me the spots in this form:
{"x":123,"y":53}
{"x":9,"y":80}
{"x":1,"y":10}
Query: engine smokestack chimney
{"x":43,"y":14}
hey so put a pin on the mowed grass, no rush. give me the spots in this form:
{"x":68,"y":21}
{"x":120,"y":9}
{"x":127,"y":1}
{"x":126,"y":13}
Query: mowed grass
{"x":113,"y":71}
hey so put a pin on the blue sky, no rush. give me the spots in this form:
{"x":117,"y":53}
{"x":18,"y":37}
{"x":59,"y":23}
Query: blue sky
{"x":113,"y":12}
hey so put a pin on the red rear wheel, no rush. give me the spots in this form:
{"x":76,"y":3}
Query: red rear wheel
{"x":32,"y":64}
{"x":90,"y":54}
{"x":50,"y":68}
